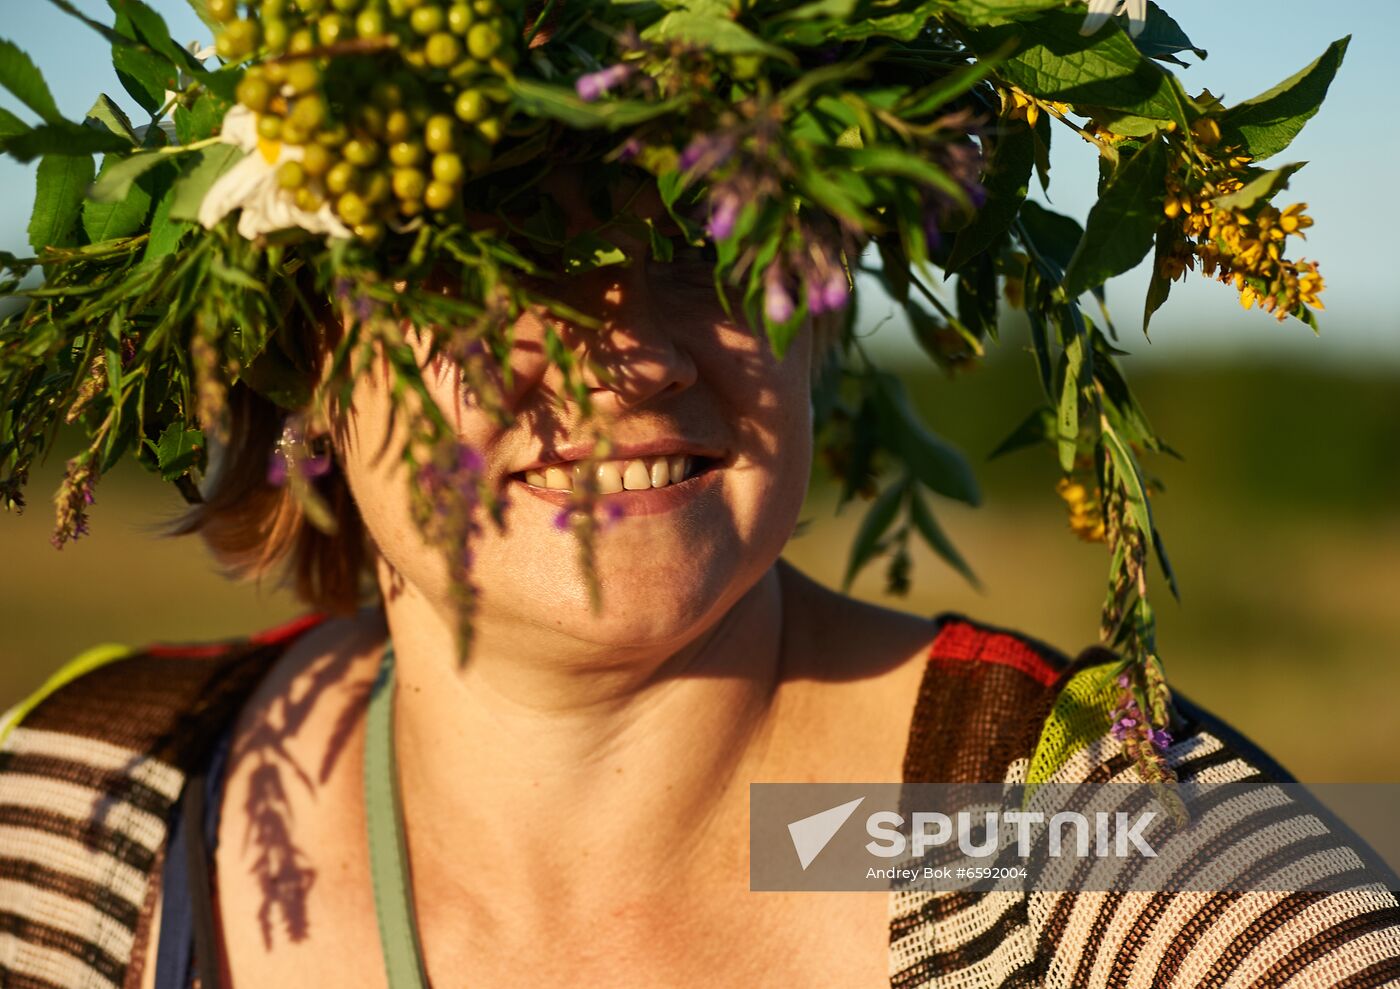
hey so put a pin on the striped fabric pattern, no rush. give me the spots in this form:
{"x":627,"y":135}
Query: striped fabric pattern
{"x":90,"y":770}
{"x":90,"y":773}
{"x":1004,"y":938}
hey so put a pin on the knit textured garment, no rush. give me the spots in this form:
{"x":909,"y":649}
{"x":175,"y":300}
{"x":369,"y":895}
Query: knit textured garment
{"x":92,"y":766}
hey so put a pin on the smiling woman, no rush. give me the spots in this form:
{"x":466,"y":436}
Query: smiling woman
{"x":526,"y":410}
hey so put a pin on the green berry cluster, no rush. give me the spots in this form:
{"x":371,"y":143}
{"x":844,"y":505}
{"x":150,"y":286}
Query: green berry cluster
{"x":394,"y":103}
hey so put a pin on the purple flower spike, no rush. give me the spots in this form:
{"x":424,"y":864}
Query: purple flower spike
{"x":469,"y":459}
{"x":1123,"y":680}
{"x":317,"y":466}
{"x":630,"y":149}
{"x":724,"y":212}
{"x":277,"y":469}
{"x":593,"y":85}
{"x":706,"y":152}
{"x":614,"y":510}
{"x":931,"y":231}
{"x":1161,"y":738}
{"x":777,"y":302}
{"x":835,"y":292}
{"x":561,"y":519}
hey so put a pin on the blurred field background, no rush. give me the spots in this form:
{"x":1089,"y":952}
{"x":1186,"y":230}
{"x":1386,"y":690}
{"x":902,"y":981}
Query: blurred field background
{"x":1282,"y":523}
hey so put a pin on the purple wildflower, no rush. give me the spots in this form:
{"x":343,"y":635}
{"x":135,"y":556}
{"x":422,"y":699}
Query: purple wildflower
{"x":835,"y":292}
{"x":277,"y":469}
{"x":593,"y":85}
{"x":612,"y":512}
{"x":724,"y":212}
{"x":75,"y":495}
{"x":777,"y":301}
{"x":932,"y":235}
{"x":629,"y":150}
{"x":706,"y":152}
{"x":291,"y":449}
{"x":1160,"y":738}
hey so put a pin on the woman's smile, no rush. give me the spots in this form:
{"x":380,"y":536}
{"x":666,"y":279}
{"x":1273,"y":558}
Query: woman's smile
{"x":638,"y":485}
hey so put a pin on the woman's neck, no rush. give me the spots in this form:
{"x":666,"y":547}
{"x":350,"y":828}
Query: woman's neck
{"x":542,"y":749}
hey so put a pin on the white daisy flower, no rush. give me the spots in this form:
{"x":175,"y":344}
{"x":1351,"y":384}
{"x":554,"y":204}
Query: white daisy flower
{"x":1101,"y":11}
{"x":251,"y":186}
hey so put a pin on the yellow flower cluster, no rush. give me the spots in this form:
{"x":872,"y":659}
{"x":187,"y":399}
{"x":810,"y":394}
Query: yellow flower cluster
{"x":1085,"y":517}
{"x":1017,"y":104}
{"x":1242,"y":247}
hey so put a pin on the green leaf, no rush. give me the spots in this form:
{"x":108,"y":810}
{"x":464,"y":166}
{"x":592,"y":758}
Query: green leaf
{"x":118,"y":174}
{"x":143,"y":74}
{"x":1054,"y":61}
{"x":1159,"y":286}
{"x":63,"y":138}
{"x":10,"y":125}
{"x":1067,"y":420}
{"x":1055,"y":236}
{"x":927,"y":526}
{"x":191,"y":187}
{"x":977,"y":12}
{"x":23,"y":79}
{"x":1007,"y":181}
{"x":178,"y":450}
{"x":903,"y":164}
{"x":111,"y":116}
{"x":1266,"y":124}
{"x":538,"y":99}
{"x":591,"y":250}
{"x":201,"y":10}
{"x":199,"y":121}
{"x":151,"y":29}
{"x":936,"y":463}
{"x":1126,"y":465}
{"x":876,"y":522}
{"x":165,"y":232}
{"x":904,"y":26}
{"x":58,"y":196}
{"x":714,"y":32}
{"x":1162,"y":38}
{"x":1121,"y":225}
{"x":1036,"y":428}
{"x":116,"y":217}
{"x":1261,"y":187}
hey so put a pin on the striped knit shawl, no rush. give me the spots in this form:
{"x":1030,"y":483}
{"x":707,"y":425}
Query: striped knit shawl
{"x":92,"y":766}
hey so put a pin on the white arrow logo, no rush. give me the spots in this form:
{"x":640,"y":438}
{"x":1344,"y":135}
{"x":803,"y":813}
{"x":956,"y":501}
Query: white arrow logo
{"x":811,"y":834}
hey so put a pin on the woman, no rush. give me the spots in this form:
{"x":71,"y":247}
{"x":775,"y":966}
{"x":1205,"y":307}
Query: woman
{"x":575,"y":800}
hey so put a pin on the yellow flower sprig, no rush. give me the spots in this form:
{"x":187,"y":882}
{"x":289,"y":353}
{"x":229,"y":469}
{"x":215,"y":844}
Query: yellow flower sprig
{"x":1243,"y":247}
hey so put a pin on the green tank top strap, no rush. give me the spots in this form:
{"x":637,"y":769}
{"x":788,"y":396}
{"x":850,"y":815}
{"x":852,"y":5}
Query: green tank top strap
{"x":388,"y":851}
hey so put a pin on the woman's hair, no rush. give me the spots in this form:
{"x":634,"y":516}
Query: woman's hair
{"x":256,"y":529}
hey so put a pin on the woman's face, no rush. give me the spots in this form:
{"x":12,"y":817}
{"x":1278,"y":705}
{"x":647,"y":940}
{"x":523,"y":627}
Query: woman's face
{"x":687,"y":382}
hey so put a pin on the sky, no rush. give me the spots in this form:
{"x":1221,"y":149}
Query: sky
{"x":1351,"y":146}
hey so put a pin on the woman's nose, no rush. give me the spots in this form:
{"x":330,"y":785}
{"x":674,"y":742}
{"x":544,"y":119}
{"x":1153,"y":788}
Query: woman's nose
{"x":638,"y":353}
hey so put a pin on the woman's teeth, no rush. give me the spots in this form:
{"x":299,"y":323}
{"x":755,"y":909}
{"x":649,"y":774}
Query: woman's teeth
{"x":617,"y":475}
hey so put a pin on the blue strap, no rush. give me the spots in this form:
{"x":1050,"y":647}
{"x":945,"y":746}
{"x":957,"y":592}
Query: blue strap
{"x":175,"y":948}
